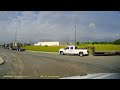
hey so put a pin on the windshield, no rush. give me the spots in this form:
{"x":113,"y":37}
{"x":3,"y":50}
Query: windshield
{"x":44,"y":44}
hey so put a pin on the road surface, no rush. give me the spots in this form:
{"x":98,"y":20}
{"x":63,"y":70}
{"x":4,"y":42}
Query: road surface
{"x":33,"y":65}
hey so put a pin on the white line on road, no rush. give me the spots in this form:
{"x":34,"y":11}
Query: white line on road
{"x":1,"y":61}
{"x":42,"y":52}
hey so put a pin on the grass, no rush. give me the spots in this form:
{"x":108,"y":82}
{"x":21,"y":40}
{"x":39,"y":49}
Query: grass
{"x":102,"y":47}
{"x":44,"y":48}
{"x":98,"y":47}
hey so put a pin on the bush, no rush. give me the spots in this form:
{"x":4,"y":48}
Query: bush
{"x":78,"y":43}
{"x":117,"y":42}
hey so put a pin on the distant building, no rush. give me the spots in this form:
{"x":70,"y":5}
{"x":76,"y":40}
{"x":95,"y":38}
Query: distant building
{"x":14,"y":44}
{"x":27,"y":44}
{"x":65,"y":43}
{"x":47,"y":44}
{"x":11,"y":45}
{"x":37,"y":44}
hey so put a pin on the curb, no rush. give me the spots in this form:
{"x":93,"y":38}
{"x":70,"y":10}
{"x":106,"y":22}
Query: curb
{"x":1,"y":61}
{"x":42,"y":52}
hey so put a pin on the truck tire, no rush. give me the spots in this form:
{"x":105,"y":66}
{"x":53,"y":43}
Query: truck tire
{"x":81,"y":54}
{"x":61,"y":53}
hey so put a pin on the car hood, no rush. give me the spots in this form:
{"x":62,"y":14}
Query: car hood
{"x":96,"y":76}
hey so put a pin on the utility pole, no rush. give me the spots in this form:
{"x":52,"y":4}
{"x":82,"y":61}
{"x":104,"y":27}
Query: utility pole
{"x":15,"y":44}
{"x":15,"y":36}
{"x":75,"y":35}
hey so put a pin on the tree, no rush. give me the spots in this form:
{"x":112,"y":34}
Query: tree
{"x":78,"y":43}
{"x":117,"y":42}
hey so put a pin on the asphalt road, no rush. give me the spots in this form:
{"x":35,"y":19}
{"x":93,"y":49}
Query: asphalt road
{"x":33,"y":65}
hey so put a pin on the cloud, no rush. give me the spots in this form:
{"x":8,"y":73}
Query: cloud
{"x":92,"y":25}
{"x":53,"y":25}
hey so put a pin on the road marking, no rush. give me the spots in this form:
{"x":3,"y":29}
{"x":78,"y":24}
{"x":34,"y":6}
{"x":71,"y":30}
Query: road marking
{"x":1,"y":61}
{"x":42,"y":52}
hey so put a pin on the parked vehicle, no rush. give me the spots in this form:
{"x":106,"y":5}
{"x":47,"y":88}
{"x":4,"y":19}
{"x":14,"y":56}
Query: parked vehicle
{"x":13,"y":46}
{"x":18,"y":49}
{"x":74,"y":51}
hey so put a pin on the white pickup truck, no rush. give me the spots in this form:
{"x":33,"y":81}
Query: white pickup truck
{"x":73,"y":50}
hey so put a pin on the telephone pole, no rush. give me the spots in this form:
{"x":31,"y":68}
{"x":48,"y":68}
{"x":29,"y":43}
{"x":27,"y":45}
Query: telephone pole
{"x":75,"y":35}
{"x":16,"y":36}
{"x":15,"y":43}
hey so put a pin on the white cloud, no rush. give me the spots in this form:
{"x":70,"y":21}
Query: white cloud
{"x":92,"y":25}
{"x":49,"y":25}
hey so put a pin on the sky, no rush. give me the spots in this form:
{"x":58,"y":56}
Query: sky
{"x":34,"y":26}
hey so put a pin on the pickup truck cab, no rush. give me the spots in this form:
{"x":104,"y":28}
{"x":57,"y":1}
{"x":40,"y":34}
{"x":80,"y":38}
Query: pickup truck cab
{"x":73,"y":50}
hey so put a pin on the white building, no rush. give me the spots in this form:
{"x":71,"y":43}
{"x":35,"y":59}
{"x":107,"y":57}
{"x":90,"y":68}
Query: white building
{"x":47,"y":44}
{"x":37,"y":44}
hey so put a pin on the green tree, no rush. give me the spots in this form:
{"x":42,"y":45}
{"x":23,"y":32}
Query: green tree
{"x":117,"y":42}
{"x":78,"y":43}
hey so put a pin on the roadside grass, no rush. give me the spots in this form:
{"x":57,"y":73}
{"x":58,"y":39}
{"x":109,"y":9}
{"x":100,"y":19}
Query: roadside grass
{"x":98,"y":47}
{"x":44,"y":48}
{"x":102,"y":47}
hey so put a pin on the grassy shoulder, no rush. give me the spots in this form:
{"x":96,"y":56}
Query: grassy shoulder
{"x":44,"y":48}
{"x":98,"y":47}
{"x":102,"y":48}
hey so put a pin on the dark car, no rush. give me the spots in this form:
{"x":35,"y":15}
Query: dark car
{"x":18,"y":49}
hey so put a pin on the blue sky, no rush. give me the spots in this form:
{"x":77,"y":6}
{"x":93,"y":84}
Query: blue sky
{"x":59,"y":25}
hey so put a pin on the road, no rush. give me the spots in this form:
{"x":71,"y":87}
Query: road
{"x":33,"y":65}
